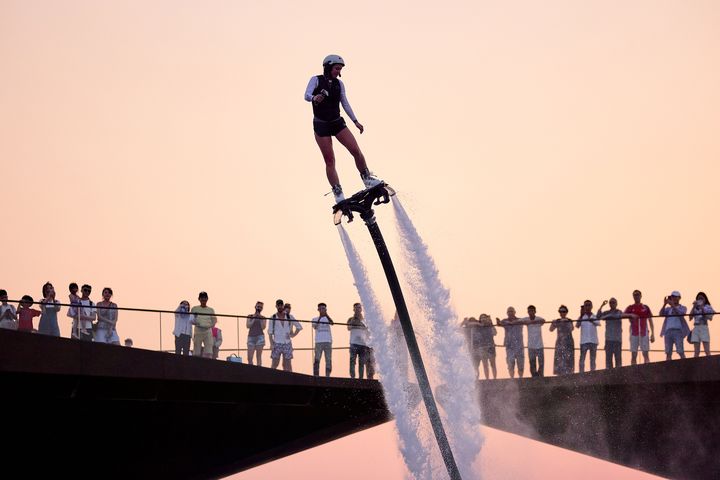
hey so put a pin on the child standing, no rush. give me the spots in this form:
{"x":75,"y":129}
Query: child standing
{"x":26,"y":314}
{"x":73,"y":309}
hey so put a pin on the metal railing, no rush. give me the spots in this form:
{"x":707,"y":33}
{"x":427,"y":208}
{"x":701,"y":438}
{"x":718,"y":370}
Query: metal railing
{"x":303,"y":344}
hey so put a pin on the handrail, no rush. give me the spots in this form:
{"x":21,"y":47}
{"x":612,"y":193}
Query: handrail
{"x":689,"y":350}
{"x":155,"y":310}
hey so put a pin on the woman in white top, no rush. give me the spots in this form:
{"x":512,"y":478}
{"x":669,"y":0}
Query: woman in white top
{"x":701,"y":313}
{"x":183,"y":328}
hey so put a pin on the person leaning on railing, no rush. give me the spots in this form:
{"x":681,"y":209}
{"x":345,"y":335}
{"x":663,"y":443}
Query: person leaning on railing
{"x":564,"y":360}
{"x":513,"y":342}
{"x":480,"y":335}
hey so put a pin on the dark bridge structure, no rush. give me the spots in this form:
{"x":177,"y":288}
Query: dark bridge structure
{"x":92,"y":410}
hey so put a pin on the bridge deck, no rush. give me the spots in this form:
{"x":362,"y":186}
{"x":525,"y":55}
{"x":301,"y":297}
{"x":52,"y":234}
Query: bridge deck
{"x":80,"y":408}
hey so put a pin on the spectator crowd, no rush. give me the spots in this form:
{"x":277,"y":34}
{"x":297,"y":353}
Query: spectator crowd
{"x":97,"y":322}
{"x":480,"y":334}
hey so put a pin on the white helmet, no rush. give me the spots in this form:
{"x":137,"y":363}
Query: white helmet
{"x":332,"y":60}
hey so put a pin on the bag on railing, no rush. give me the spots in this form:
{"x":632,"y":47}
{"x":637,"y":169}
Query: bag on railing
{"x":234,"y":358}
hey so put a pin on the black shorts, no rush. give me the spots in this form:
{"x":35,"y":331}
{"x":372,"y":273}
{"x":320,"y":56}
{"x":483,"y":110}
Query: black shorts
{"x":328,"y":129}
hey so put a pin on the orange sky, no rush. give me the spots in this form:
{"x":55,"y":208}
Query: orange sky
{"x":548,"y":152}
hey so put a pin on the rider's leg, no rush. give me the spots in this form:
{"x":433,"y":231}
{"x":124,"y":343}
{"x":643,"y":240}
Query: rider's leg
{"x":347,"y":139}
{"x":326,"y":148}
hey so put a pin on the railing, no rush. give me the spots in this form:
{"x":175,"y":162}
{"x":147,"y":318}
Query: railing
{"x":132,"y":323}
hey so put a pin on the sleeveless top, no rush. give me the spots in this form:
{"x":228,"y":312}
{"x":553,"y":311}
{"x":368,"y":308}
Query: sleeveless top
{"x":328,"y":109}
{"x":255,"y":328}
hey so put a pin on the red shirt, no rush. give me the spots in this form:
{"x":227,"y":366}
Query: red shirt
{"x":25,"y":318}
{"x":643,"y":312}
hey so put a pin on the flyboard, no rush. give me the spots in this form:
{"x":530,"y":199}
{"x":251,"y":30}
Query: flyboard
{"x":362,"y":203}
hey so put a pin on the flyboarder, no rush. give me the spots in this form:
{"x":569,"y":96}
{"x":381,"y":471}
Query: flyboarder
{"x":327,"y":92}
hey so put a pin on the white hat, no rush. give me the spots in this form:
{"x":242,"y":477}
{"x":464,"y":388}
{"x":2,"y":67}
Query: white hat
{"x":675,"y":293}
{"x":333,"y":60}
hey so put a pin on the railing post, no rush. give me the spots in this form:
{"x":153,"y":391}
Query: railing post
{"x":160,"y":313}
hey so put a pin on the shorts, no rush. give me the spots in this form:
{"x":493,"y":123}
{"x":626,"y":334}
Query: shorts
{"x":642,"y":342}
{"x":328,"y":129}
{"x":517,"y":355}
{"x":700,"y":333}
{"x":674,"y":337}
{"x":284,"y":349}
{"x":8,"y":324}
{"x":484,"y":352}
{"x":256,"y":341}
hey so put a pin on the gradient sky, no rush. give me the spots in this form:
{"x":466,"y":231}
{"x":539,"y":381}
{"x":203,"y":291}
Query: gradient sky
{"x":548,"y":152}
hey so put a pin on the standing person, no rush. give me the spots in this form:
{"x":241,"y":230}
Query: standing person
{"x":481,"y":342}
{"x":564,"y":359}
{"x":471,"y":325}
{"x":514,"y":348}
{"x":256,"y":324}
{"x":323,"y":339}
{"x":204,"y":319}
{"x":8,"y":314}
{"x":674,"y":327}
{"x":281,"y":330}
{"x":107,"y":317}
{"x":26,"y":313}
{"x":327,"y":92}
{"x":613,"y":332}
{"x":702,"y":313}
{"x":639,"y":338}
{"x":87,"y":314}
{"x":359,"y":345}
{"x":73,"y":310}
{"x":535,"y":346}
{"x":486,"y":344}
{"x":183,"y":328}
{"x":588,"y":323}
{"x":49,"y":307}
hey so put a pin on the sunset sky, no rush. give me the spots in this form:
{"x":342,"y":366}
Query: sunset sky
{"x":548,"y":152}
